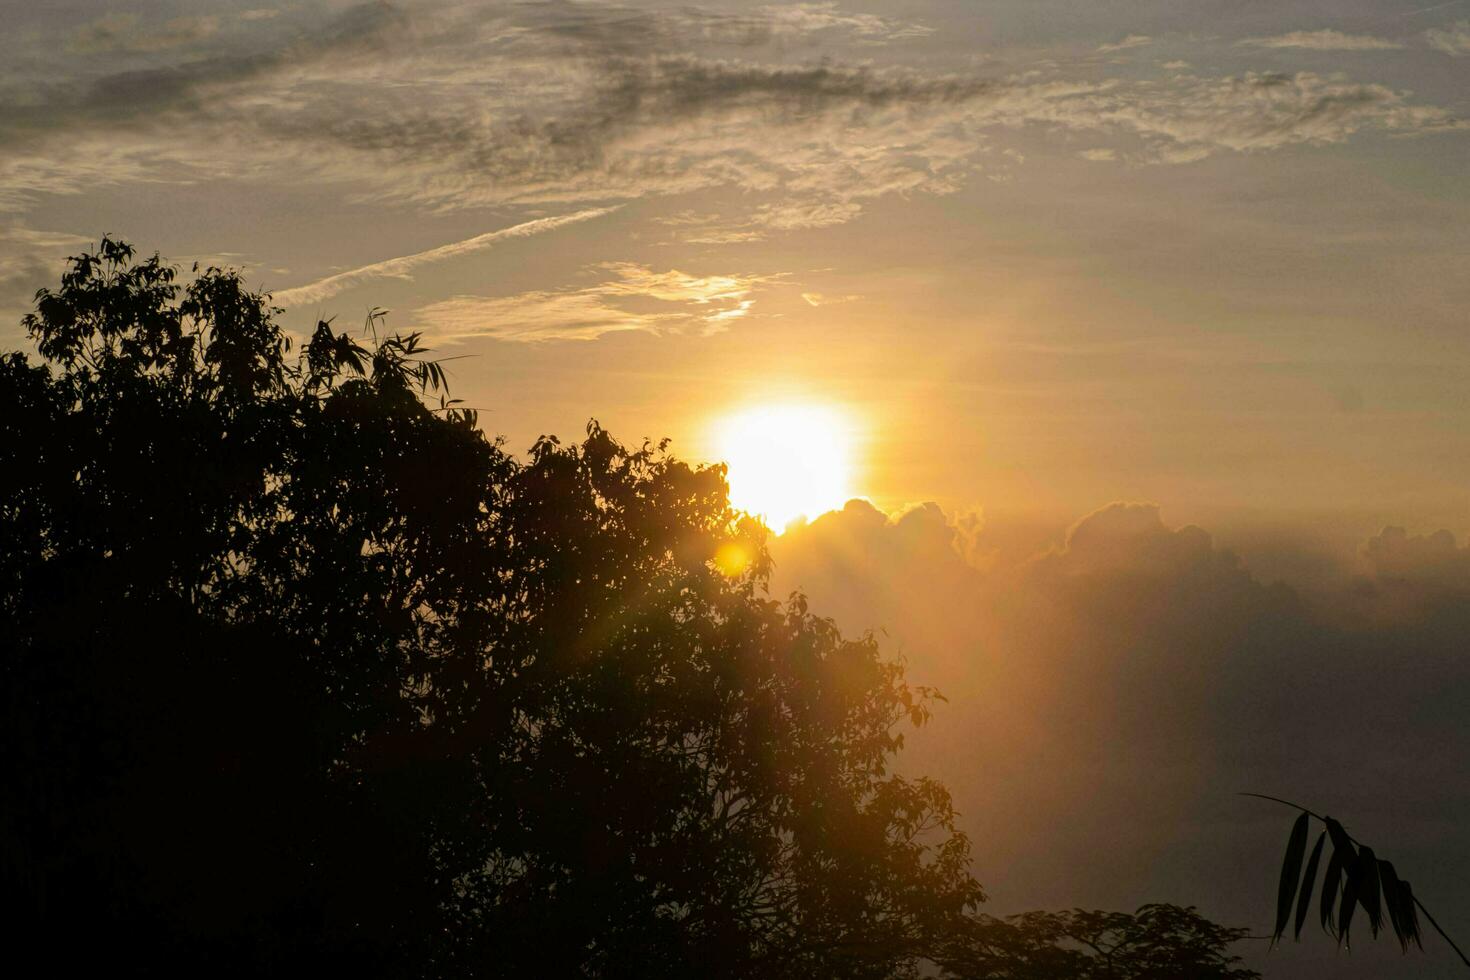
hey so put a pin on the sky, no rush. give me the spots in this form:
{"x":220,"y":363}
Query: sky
{"x":1208,"y":258}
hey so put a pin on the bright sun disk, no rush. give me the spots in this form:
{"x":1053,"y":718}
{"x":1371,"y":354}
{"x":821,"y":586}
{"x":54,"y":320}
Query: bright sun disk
{"x":787,"y":461}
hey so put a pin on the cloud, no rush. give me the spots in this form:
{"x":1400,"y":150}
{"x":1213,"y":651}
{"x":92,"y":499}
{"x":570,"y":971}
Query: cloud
{"x":1108,"y":695}
{"x":1453,"y":40}
{"x":785,"y":215}
{"x":1099,"y":155}
{"x":1129,"y":537}
{"x":403,"y":265}
{"x":30,"y":258}
{"x":127,"y":32}
{"x":1323,"y":40}
{"x":1431,"y":565}
{"x":822,"y":299}
{"x":636,"y":297}
{"x":813,"y":18}
{"x":445,"y":106}
{"x":1131,"y":41}
{"x":1189,"y":118}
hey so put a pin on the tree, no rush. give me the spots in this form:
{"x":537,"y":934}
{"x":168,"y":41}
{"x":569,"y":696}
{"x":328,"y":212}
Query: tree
{"x":303,"y":672}
{"x":1158,"y":942}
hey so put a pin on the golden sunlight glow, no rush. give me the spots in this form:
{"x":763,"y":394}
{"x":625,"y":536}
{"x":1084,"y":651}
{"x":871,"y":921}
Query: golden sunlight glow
{"x":732,"y":559}
{"x":787,"y":461}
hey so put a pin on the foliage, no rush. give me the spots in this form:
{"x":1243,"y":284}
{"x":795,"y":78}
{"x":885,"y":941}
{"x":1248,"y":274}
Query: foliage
{"x":1158,"y":942}
{"x":1354,"y":877}
{"x":302,"y":673}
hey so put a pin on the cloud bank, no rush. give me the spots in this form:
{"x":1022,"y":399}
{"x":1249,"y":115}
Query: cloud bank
{"x":452,"y":105}
{"x":1109,"y":696}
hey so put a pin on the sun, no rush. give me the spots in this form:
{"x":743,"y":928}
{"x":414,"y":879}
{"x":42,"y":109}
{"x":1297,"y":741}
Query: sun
{"x":787,"y":461}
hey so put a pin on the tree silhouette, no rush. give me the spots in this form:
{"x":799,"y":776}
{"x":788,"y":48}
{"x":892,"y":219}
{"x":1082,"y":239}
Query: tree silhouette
{"x":302,"y":673}
{"x":1158,"y":942}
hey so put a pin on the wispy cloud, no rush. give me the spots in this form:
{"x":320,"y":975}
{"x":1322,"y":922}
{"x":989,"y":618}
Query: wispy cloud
{"x":30,"y":258}
{"x":1190,"y":118}
{"x":446,"y":106}
{"x":823,"y":299}
{"x":1131,"y":41}
{"x":1453,"y":40}
{"x":129,"y":32}
{"x":811,"y":18}
{"x":402,"y":266}
{"x":633,"y":297}
{"x":1323,"y":40}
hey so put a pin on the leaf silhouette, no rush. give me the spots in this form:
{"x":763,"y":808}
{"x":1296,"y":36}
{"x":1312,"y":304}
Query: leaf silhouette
{"x":1410,"y":913}
{"x":1330,"y":883}
{"x":1393,"y":898}
{"x":1308,"y":880}
{"x":1291,"y":870}
{"x":1355,"y":876}
{"x":1368,"y":891}
{"x":1350,"y":890}
{"x":1340,"y":839}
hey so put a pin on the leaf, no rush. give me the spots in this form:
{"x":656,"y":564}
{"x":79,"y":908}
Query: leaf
{"x":1329,"y":889}
{"x":1340,"y":840}
{"x":1393,"y":901}
{"x":1308,"y":880}
{"x":1368,"y":890}
{"x":1410,"y":913}
{"x":1291,"y":870}
{"x":1351,"y":888}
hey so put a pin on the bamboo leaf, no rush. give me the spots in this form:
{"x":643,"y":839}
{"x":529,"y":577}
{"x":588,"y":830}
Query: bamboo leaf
{"x":1393,"y":901}
{"x":1368,"y":889}
{"x":1350,"y":890}
{"x":1411,"y":913}
{"x":1308,"y":880}
{"x":1340,"y":840}
{"x":1291,"y":870}
{"x":1330,"y":883}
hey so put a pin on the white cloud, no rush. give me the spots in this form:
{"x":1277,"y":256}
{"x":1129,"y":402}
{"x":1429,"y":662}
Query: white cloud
{"x":461,"y":106}
{"x":1189,"y":118}
{"x":29,"y":259}
{"x":680,"y":301}
{"x":403,"y":265}
{"x":1131,"y":41}
{"x":823,"y":299}
{"x":812,"y":18}
{"x":1323,"y":40}
{"x":1453,"y":40}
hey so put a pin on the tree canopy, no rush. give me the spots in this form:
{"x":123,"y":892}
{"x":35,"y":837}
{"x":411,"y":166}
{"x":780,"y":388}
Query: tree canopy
{"x":1158,"y":942}
{"x":301,"y":672}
